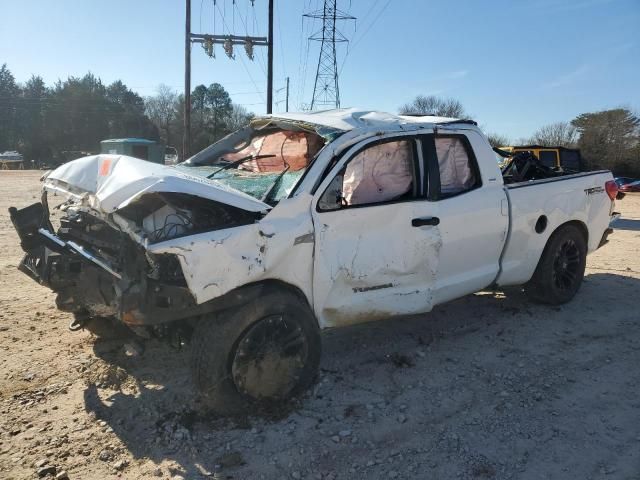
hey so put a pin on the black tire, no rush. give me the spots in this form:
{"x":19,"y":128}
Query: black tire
{"x":265,"y":351}
{"x":560,"y":270}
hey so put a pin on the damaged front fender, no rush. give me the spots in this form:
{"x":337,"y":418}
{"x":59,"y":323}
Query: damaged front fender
{"x":163,"y":256}
{"x":278,"y":247}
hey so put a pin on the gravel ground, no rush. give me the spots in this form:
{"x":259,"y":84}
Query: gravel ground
{"x":486,"y":387}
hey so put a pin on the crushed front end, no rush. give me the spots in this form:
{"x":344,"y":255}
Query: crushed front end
{"x":98,"y":263}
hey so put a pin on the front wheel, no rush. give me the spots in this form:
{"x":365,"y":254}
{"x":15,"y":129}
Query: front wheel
{"x":266,"y":350}
{"x":560,"y":270}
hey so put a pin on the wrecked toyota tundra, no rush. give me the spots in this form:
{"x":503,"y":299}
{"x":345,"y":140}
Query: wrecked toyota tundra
{"x":301,"y":222}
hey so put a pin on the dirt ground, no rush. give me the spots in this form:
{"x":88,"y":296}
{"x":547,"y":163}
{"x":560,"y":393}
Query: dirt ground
{"x":486,"y":387}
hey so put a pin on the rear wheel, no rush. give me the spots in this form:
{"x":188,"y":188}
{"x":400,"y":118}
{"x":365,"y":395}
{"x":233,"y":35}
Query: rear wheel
{"x":266,"y":350}
{"x":560,"y":270}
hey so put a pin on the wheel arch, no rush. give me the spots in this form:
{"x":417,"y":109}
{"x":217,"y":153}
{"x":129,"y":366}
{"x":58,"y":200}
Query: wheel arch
{"x":254,"y":290}
{"x":577,"y":223}
{"x":277,"y":284}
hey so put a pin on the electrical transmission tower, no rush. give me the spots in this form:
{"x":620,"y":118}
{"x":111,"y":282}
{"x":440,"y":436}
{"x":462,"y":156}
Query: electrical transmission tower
{"x":326,"y":91}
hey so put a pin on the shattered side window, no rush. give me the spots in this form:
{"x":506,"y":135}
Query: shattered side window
{"x":457,"y":173}
{"x":380,"y":173}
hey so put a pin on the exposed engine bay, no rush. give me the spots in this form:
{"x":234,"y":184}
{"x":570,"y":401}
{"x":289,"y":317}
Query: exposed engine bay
{"x":98,"y":269}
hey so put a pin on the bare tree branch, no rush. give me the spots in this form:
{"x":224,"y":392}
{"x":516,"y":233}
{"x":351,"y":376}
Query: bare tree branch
{"x":432,"y":105}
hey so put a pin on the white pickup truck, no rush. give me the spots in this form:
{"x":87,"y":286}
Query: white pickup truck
{"x":301,"y":222}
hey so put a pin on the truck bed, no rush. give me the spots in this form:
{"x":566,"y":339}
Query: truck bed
{"x":538,"y":207}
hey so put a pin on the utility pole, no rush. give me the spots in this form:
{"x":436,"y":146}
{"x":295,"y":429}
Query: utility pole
{"x":186,"y":136}
{"x":270,"y":61}
{"x":286,"y":98}
{"x":227,"y":41}
{"x":326,"y":91}
{"x":286,"y":103}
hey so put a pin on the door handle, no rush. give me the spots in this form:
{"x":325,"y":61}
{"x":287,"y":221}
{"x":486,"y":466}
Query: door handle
{"x":421,"y":222}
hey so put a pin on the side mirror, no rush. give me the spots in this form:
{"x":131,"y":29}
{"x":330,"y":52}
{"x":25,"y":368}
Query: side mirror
{"x":332,"y":197}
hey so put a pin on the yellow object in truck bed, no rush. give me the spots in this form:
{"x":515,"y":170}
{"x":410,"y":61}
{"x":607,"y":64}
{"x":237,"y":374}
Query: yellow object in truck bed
{"x":554,"y":157}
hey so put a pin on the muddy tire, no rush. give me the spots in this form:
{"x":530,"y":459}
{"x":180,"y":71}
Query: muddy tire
{"x":105,"y":328}
{"x":560,"y":270}
{"x":262,"y":352}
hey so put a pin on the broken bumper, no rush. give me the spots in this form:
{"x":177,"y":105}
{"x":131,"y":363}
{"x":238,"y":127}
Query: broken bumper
{"x":44,"y":250}
{"x":87,"y":283}
{"x":605,"y":236}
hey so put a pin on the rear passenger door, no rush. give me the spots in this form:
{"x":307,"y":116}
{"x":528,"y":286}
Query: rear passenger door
{"x":471,"y":208}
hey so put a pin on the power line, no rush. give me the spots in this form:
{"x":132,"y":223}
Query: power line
{"x":249,"y":74}
{"x":304,"y":59}
{"x":357,"y":41}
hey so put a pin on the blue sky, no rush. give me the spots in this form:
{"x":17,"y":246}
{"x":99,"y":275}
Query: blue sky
{"x":515,"y":65}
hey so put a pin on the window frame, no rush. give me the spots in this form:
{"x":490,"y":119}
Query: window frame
{"x":433,"y":165}
{"x":556,"y":161}
{"x":417,"y":172}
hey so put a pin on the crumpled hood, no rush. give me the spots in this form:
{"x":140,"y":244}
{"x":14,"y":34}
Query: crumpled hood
{"x":110,"y":182}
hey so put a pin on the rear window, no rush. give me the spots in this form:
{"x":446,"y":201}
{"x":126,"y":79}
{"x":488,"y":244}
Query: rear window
{"x":458,"y":172}
{"x":549,"y":158}
{"x":570,"y":161}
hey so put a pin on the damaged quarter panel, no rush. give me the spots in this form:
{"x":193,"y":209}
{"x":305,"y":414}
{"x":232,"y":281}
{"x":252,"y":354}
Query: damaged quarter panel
{"x":280,"y":247}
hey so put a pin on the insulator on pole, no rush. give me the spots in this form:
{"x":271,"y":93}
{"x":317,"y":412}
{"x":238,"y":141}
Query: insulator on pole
{"x":207,"y":45}
{"x":228,"y":48}
{"x":248,"y":48}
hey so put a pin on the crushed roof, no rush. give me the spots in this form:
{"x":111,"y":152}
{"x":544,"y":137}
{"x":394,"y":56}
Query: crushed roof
{"x":355,"y":118}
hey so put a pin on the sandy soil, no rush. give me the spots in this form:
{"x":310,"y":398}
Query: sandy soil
{"x":489,"y":386}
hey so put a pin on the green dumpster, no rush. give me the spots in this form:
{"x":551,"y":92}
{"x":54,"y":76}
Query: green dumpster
{"x":134,"y":147}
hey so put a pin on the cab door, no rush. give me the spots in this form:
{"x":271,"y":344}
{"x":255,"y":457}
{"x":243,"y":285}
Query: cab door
{"x":472,"y":209}
{"x":376,"y":239}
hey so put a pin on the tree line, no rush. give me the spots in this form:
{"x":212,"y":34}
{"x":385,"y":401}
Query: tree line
{"x":608,"y":139}
{"x":213,"y":115}
{"x":53,"y":124}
